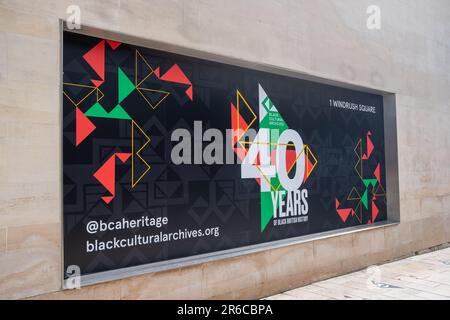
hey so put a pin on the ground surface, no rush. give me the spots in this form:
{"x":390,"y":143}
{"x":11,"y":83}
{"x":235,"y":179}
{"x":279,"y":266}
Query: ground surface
{"x":425,"y":276}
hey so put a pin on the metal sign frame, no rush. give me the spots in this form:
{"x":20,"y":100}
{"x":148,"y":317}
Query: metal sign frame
{"x":391,"y":160}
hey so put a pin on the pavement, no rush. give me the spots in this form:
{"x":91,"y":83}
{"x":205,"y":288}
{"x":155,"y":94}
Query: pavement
{"x":421,"y":277}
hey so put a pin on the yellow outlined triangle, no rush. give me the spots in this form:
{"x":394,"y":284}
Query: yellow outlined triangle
{"x":165,"y":93}
{"x":133,"y":181}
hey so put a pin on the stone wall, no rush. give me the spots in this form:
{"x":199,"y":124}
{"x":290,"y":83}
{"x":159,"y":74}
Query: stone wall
{"x":409,"y":56}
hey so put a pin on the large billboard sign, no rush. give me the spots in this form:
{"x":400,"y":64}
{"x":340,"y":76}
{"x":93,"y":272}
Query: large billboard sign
{"x":167,"y":156}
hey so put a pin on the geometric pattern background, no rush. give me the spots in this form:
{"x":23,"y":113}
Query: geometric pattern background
{"x":122,"y":102}
{"x":365,"y":208}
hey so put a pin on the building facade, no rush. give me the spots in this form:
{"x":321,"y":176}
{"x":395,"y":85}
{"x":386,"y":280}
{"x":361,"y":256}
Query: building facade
{"x":405,"y":59}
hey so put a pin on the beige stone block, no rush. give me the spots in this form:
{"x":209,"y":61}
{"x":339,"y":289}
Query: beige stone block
{"x":289,"y":267}
{"x":392,"y":239}
{"x":3,"y":58}
{"x":369,"y":242}
{"x":38,"y":209}
{"x":446,"y":225}
{"x":31,"y":24}
{"x":30,"y":97}
{"x":27,"y":273}
{"x":227,"y":276}
{"x":249,"y":293}
{"x":434,"y":232}
{"x":174,"y":284}
{"x":21,"y":165}
{"x":168,"y":11}
{"x":399,"y":237}
{"x":90,"y":11}
{"x":42,"y":68}
{"x":29,"y":165}
{"x":290,"y":260}
{"x":183,"y":283}
{"x":3,"y":234}
{"x":417,"y":234}
{"x":446,"y":205}
{"x":31,"y":263}
{"x":410,"y":209}
{"x":103,"y":291}
{"x":333,"y":256}
{"x":27,"y":7}
{"x":405,"y":230}
{"x":37,"y":236}
{"x":26,"y":126}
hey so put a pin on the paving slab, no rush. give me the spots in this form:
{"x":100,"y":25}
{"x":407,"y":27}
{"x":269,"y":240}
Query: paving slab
{"x":421,"y":277}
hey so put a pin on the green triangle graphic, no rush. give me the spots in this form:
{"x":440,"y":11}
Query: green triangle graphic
{"x":367,"y":182}
{"x":273,"y":121}
{"x":364,"y":199}
{"x":266,"y":209}
{"x":125,"y":85}
{"x":98,"y":111}
{"x":119,"y":113}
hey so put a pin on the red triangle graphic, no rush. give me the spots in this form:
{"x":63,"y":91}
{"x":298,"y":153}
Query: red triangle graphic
{"x":374,"y":211}
{"x":242,"y":124}
{"x":376,"y":173}
{"x":308,"y":168}
{"x":156,"y":71}
{"x":291,"y":156}
{"x":97,"y":83}
{"x":370,"y":147}
{"x":258,"y":160}
{"x":123,"y":156}
{"x":175,"y":74}
{"x":107,"y":199}
{"x":96,"y":59}
{"x":189,"y":93}
{"x":106,"y":175}
{"x":83,"y":126}
{"x":113,"y":44}
{"x":343,"y":213}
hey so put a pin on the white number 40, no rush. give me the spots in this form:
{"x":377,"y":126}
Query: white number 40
{"x":265,"y":170}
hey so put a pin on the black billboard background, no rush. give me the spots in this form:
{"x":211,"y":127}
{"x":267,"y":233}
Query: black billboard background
{"x":200,"y":196}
